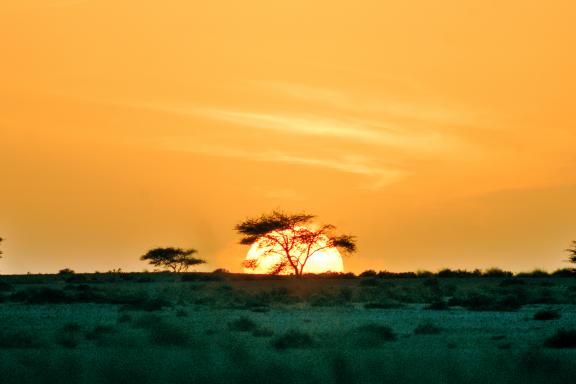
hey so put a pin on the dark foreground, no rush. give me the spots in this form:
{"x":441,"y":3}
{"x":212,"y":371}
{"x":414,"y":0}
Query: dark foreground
{"x":203,"y":328}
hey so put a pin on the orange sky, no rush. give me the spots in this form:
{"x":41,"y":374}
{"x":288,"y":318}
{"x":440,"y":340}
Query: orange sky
{"x":441,"y":133}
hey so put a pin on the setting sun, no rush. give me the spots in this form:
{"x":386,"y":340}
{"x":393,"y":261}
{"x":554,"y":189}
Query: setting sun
{"x":268,"y":256}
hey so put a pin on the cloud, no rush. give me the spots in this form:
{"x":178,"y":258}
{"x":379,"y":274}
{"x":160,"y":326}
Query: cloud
{"x":357,"y":165}
{"x":415,"y":110}
{"x":367,"y":132}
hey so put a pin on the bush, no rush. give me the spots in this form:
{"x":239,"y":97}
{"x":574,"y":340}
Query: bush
{"x":369,"y":282}
{"x":146,"y":304}
{"x":427,"y":329}
{"x":18,"y":339}
{"x":368,"y":273}
{"x":511,"y":281}
{"x":5,"y":287}
{"x":372,"y":335}
{"x":383,"y":304}
{"x":564,"y":338}
{"x":99,"y":333}
{"x":262,"y":332}
{"x":535,"y":273}
{"x":497,"y":272}
{"x":547,"y":314}
{"x":41,"y":295}
{"x":160,"y":332}
{"x":483,"y":302}
{"x":293,"y":339}
{"x":242,"y":324}
{"x":437,"y":305}
{"x":565,"y":272}
{"x":68,"y":335}
{"x":332,"y":298}
{"x":167,"y":335}
{"x":193,"y":277}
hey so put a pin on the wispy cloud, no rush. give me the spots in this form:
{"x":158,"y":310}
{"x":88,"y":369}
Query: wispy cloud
{"x":368,"y":132}
{"x":428,"y":112}
{"x":379,"y":175}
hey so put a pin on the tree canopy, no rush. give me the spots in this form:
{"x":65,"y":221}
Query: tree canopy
{"x":572,"y":253}
{"x":293,"y":237}
{"x":0,"y":249}
{"x":175,"y":259}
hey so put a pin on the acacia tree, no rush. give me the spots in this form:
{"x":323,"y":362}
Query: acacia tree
{"x":572,"y":253}
{"x":292,"y":238}
{"x":176,"y":259}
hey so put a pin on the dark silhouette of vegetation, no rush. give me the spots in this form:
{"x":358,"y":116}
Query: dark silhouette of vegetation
{"x":291,"y":237}
{"x":564,"y":338}
{"x":547,"y":314}
{"x":572,"y":252}
{"x":66,"y":272}
{"x":242,"y":324}
{"x":372,"y":335}
{"x":1,"y":239}
{"x":293,"y":339}
{"x":175,"y":259}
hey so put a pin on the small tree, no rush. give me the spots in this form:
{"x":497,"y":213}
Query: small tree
{"x":176,"y":259}
{"x":572,"y":253}
{"x":0,"y":250}
{"x":292,"y":238}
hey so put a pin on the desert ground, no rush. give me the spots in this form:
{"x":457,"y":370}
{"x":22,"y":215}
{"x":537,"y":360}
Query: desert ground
{"x":227,"y":328}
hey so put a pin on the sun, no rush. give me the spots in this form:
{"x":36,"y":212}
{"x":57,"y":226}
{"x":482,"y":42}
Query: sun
{"x":324,"y":260}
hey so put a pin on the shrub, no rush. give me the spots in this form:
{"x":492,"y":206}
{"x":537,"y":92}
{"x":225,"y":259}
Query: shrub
{"x":330,"y":298}
{"x":511,"y":281}
{"x":368,"y":273}
{"x":437,"y":305}
{"x":547,"y":314}
{"x":483,"y":302}
{"x":293,"y":339}
{"x":372,"y":335}
{"x":68,"y":335}
{"x":18,"y":339}
{"x":146,"y":304}
{"x":167,"y":335}
{"x":497,"y":272}
{"x":534,"y":273}
{"x":99,"y":333}
{"x":262,"y":332}
{"x":383,"y":304}
{"x":6,"y":287}
{"x":565,"y":272}
{"x":242,"y":324}
{"x":564,"y":338}
{"x":192,"y":277}
{"x":146,"y":321}
{"x":368,"y":282}
{"x":427,"y":328}
{"x":124,"y":318}
{"x":160,"y":332}
{"x":42,"y":295}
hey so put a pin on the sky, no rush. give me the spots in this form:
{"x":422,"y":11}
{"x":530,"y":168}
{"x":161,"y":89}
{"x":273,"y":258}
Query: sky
{"x":440,"y":133}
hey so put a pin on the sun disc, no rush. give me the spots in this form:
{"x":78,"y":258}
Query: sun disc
{"x":324,"y":260}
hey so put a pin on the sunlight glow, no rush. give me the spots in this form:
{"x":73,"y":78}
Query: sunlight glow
{"x":325,"y":260}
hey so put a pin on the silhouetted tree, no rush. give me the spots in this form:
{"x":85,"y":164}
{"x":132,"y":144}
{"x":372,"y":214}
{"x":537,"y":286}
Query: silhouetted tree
{"x":1,"y":250}
{"x":292,"y":237}
{"x":572,"y":253}
{"x":176,"y":259}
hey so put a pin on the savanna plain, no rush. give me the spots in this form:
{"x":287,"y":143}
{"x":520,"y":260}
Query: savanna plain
{"x":445,"y":327}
